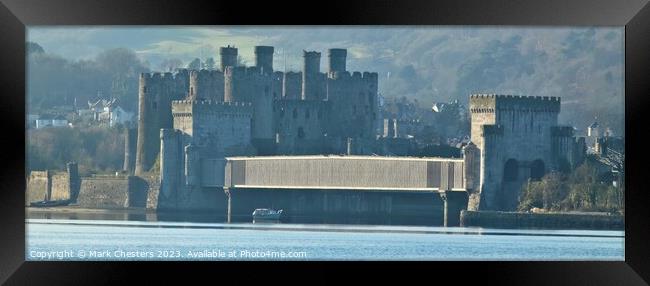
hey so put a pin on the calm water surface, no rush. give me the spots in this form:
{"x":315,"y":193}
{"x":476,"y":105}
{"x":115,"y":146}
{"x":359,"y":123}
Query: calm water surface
{"x":62,"y":239}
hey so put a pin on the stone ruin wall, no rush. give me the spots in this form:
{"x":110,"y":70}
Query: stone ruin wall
{"x":95,"y":192}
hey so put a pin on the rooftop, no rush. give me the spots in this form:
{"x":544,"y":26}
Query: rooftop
{"x":343,"y":157}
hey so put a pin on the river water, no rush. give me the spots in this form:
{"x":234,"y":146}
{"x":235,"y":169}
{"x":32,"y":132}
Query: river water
{"x":75,"y":239}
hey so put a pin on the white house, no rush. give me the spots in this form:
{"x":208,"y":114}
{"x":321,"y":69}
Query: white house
{"x":106,"y":112}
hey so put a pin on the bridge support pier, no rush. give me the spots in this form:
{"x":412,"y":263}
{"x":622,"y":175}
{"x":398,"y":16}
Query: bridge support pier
{"x":443,"y":196}
{"x":228,"y":192}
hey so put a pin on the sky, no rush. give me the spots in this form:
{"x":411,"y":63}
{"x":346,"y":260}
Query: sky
{"x":583,"y":65}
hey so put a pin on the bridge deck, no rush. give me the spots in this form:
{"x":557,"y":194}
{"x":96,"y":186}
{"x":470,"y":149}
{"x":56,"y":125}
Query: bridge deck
{"x":363,"y":173}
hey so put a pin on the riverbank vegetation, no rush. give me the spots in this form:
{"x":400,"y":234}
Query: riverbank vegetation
{"x":584,"y":189}
{"x":95,"y":149}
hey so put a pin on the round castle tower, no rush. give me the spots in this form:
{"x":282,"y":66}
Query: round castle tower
{"x":310,"y":75}
{"x":228,"y":57}
{"x":264,"y":58}
{"x":156,"y":92}
{"x":337,"y":58}
{"x":206,"y":84}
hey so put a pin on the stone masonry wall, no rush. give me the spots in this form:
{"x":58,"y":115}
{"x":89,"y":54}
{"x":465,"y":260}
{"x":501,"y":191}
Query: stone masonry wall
{"x":60,"y":187}
{"x":108,"y":192}
{"x":36,"y":187}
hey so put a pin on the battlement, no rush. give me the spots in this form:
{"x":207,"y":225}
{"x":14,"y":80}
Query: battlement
{"x":231,"y":51}
{"x":264,"y":49}
{"x":335,"y":52}
{"x":311,"y":54}
{"x":210,"y":102}
{"x":480,"y":103}
{"x":203,"y":73}
{"x":152,"y":77}
{"x":246,"y":72}
{"x":190,"y":107}
{"x":371,"y":77}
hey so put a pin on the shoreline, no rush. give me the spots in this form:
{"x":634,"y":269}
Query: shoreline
{"x":480,"y":219}
{"x":333,"y":228}
{"x":558,"y":220}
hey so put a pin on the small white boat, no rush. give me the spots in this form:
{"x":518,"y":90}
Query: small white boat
{"x":266,"y":215}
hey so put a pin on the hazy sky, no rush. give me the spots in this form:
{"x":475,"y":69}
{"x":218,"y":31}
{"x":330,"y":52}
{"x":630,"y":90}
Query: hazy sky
{"x":583,"y":65}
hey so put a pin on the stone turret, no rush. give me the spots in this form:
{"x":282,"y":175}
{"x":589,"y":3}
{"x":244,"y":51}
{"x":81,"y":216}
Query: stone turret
{"x":155,"y":95}
{"x":170,"y":140}
{"x":472,"y":162}
{"x":264,"y":59}
{"x":206,"y":84}
{"x":228,"y":57}
{"x":311,"y":75}
{"x":130,"y":141}
{"x":337,"y":59}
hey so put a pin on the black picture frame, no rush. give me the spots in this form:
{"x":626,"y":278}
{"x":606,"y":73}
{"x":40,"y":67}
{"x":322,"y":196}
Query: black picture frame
{"x":15,"y":15}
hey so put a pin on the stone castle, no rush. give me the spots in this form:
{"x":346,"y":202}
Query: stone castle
{"x":279,"y":113}
{"x":206,"y":129}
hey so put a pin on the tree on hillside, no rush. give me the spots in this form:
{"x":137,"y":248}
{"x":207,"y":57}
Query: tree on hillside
{"x":169,"y":65}
{"x":209,"y":64}
{"x":120,"y":61}
{"x":32,"y":47}
{"x":194,"y":64}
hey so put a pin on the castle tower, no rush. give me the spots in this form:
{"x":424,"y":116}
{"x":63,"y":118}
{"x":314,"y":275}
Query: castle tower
{"x":170,"y":141}
{"x":311,"y":75}
{"x":518,"y":139}
{"x":337,"y":58}
{"x":228,"y":57}
{"x":156,"y":92}
{"x":130,"y":137}
{"x":264,"y":59}
{"x":146,"y":123}
{"x":354,"y":98}
{"x":292,"y":85}
{"x":206,"y":84}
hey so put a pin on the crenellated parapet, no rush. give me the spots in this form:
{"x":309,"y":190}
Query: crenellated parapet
{"x":206,"y":84}
{"x":228,"y":57}
{"x":204,"y":73}
{"x":264,"y":58}
{"x":163,"y":77}
{"x":366,"y":77}
{"x":181,"y":108}
{"x":243,"y":72}
{"x":156,"y":91}
{"x":248,"y":84}
{"x":488,"y":103}
{"x":337,"y":59}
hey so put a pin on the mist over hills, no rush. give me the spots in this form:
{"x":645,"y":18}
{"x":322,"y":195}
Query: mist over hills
{"x":584,"y":66}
